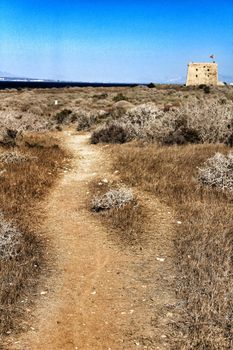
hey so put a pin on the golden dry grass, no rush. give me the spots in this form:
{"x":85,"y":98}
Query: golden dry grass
{"x":127,"y":221}
{"x":203,"y":241}
{"x":23,"y":186}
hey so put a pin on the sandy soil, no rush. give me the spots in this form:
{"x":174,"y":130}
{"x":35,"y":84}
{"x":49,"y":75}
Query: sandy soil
{"x":100,"y":295}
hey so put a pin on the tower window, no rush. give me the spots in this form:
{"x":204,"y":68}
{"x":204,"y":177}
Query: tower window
{"x":196,"y":75}
{"x":196,"y":69}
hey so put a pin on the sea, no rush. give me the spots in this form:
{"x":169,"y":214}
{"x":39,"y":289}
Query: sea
{"x":54,"y":84}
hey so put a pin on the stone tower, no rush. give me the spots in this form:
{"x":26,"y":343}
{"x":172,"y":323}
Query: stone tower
{"x":202,"y":73}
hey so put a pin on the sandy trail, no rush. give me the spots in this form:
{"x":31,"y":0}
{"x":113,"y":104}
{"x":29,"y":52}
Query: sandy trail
{"x":100,"y":295}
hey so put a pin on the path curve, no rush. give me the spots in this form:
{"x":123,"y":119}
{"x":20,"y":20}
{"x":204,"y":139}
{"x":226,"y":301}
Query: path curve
{"x":100,"y":296}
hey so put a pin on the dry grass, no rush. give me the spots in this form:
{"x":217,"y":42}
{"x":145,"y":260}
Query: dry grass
{"x":204,"y":239}
{"x":127,"y":220}
{"x":204,"y":244}
{"x":23,"y":186}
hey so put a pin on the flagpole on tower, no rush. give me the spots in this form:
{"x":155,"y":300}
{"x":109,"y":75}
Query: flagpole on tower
{"x":212,"y":56}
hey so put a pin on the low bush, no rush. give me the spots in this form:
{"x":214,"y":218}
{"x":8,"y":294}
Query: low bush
{"x":100,"y":96}
{"x":10,"y":240}
{"x":218,"y":172}
{"x":117,"y":198}
{"x":112,"y":133}
{"x":86,"y":119}
{"x":120,"y":97}
{"x":151,"y":85}
{"x":62,"y":116}
{"x":206,"y":89}
{"x":14,"y":157}
{"x":8,"y":138}
{"x":195,"y":122}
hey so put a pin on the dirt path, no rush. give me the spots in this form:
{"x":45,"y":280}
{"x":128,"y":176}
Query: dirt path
{"x":101,"y":296}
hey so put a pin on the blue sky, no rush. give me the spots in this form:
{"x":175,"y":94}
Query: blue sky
{"x":114,"y":41}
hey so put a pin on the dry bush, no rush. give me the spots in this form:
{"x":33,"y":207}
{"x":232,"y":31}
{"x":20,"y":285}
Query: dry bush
{"x":195,"y":122}
{"x":124,"y":223}
{"x":14,"y":120}
{"x":114,"y":198}
{"x":211,"y":119}
{"x":9,"y":138}
{"x":23,"y":186}
{"x":10,"y":240}
{"x":102,"y":96}
{"x":112,"y":133}
{"x":218,"y":172}
{"x":203,"y":241}
{"x":86,"y":119}
{"x":63,"y":116}
{"x":120,"y":97}
{"x":14,"y":157}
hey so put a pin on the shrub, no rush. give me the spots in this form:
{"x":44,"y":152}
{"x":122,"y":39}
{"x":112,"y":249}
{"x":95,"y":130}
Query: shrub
{"x":218,"y":172}
{"x":112,"y":199}
{"x":195,"y":122}
{"x":201,"y":86}
{"x":62,"y":116}
{"x":182,"y":136}
{"x":206,"y":89}
{"x":14,"y":157}
{"x":112,"y":133}
{"x":151,"y":85}
{"x":120,"y":97}
{"x":8,"y":138}
{"x":16,"y":121}
{"x":86,"y":119}
{"x":100,"y":96}
{"x":10,"y":240}
{"x":229,"y":141}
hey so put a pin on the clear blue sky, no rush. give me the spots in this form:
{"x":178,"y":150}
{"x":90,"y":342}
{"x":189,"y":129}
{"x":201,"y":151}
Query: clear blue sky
{"x":121,"y":41}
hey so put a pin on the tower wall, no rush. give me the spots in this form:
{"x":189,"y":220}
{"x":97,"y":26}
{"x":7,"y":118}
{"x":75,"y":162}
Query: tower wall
{"x":202,"y":73}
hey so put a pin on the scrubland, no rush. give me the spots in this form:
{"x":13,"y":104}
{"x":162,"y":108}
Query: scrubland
{"x":27,"y":172}
{"x":173,"y":142}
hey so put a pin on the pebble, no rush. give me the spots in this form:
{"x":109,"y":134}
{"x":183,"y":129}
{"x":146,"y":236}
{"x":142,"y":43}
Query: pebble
{"x":160,"y":259}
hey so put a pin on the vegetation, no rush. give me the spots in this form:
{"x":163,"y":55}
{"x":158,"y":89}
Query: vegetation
{"x":203,"y":240}
{"x":26,"y":176}
{"x":172,"y":142}
{"x":115,"y":198}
